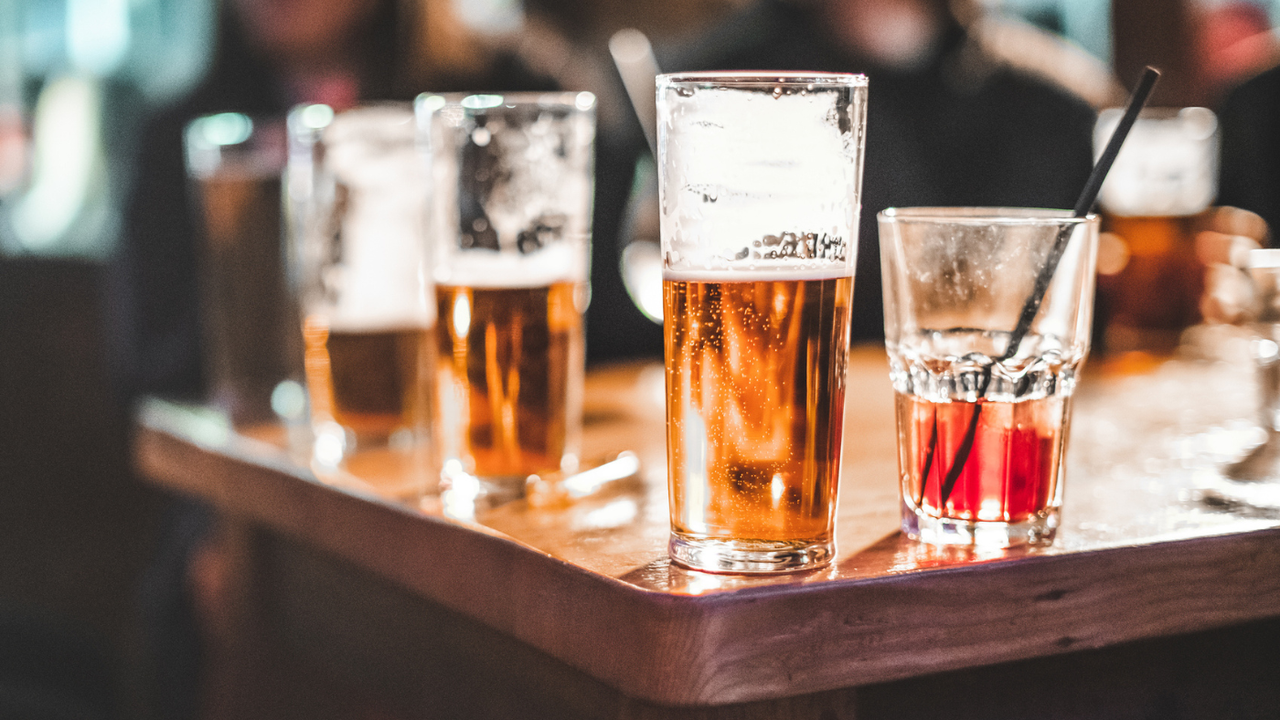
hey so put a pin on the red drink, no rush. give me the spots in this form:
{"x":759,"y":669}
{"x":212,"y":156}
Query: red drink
{"x":1011,"y":473}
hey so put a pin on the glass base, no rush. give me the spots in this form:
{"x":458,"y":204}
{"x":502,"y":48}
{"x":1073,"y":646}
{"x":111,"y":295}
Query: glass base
{"x":1261,"y":465}
{"x":464,"y":496}
{"x":749,"y":556}
{"x":1249,"y":486}
{"x":980,"y":533}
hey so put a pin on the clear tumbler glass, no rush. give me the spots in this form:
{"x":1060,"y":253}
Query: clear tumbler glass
{"x":984,"y":379}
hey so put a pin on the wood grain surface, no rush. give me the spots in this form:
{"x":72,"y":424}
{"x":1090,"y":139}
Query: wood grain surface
{"x":1141,"y":553}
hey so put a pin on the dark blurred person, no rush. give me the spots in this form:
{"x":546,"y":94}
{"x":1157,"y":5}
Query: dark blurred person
{"x":948,"y":123}
{"x":1250,"y":162}
{"x":270,"y":55}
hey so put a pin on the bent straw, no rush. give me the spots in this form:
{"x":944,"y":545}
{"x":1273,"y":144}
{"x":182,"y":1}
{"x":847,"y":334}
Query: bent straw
{"x":1088,"y":196}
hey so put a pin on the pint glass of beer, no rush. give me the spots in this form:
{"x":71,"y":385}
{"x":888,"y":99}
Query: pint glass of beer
{"x":357,"y":210}
{"x":511,"y":233}
{"x":1153,"y":204}
{"x":252,"y":353}
{"x":760,"y":185}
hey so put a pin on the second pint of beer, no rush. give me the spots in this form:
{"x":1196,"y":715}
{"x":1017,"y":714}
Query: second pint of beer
{"x":357,"y":208}
{"x":760,"y":183}
{"x":511,"y":233}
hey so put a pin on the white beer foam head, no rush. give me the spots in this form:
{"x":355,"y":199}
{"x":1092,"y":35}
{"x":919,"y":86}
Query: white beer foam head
{"x":538,"y":157}
{"x":740,"y":165}
{"x":561,"y":262}
{"x":1168,"y":164}
{"x":382,"y":280}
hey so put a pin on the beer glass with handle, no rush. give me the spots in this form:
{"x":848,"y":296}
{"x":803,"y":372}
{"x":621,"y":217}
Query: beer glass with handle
{"x":512,"y":239}
{"x":760,"y":184}
{"x":357,"y":211}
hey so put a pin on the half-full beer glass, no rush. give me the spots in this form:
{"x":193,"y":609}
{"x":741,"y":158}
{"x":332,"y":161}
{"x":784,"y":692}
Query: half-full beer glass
{"x":512,"y":240}
{"x":984,"y":379}
{"x":760,"y":184}
{"x":1153,"y":204}
{"x":358,"y":211}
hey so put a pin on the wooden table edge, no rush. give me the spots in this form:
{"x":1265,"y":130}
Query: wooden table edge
{"x":684,"y":650}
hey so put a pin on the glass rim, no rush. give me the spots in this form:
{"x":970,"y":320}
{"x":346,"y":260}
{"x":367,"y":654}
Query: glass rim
{"x":490,"y":101}
{"x":983,"y":216}
{"x":1158,"y":112}
{"x":748,"y":78}
{"x":297,"y":118}
{"x":249,"y":127}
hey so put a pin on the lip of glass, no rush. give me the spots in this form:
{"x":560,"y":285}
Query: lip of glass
{"x":983,"y":216}
{"x":752,"y":78}
{"x":570,"y":100}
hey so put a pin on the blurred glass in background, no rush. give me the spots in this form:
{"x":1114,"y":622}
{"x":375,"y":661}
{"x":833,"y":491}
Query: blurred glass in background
{"x":1163,"y":180}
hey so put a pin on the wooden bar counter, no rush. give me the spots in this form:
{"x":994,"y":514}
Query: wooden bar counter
{"x":570,"y":608}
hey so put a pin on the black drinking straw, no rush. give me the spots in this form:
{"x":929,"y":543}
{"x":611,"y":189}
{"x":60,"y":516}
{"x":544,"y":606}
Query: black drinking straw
{"x":1032,"y":306}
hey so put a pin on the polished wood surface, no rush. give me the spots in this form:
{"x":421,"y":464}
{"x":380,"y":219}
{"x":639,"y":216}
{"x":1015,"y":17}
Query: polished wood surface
{"x":1145,"y":550}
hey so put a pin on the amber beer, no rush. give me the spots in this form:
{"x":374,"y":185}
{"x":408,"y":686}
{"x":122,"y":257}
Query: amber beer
{"x":374,"y":382}
{"x":249,"y":318}
{"x":510,"y":374}
{"x":755,"y":402}
{"x":1156,"y":294}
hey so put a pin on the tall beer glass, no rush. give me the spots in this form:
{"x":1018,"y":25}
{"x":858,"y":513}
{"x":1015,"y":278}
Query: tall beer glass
{"x":1153,"y":202}
{"x":252,"y":356}
{"x":358,"y":211}
{"x":760,"y":184}
{"x":512,"y":238}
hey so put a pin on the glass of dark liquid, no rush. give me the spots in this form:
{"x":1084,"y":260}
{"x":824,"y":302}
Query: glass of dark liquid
{"x":253,"y":354}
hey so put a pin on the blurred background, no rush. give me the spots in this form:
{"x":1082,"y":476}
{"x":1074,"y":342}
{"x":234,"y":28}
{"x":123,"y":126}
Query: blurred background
{"x":82,"y":84}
